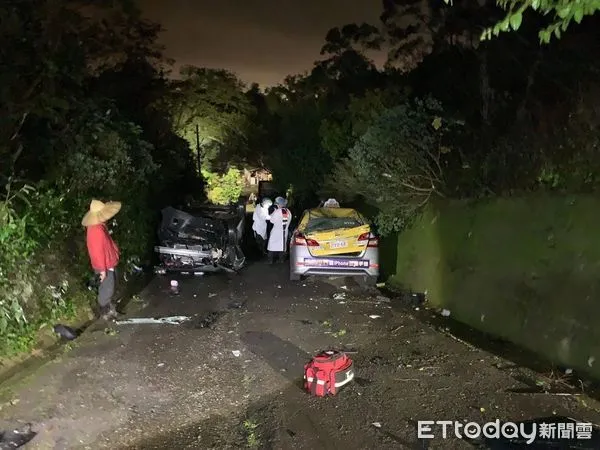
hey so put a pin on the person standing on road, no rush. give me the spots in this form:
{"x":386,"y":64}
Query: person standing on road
{"x":103,"y":252}
{"x":259,"y":223}
{"x":278,"y":239}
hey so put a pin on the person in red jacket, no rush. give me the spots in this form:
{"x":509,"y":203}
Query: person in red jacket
{"x":103,"y":252}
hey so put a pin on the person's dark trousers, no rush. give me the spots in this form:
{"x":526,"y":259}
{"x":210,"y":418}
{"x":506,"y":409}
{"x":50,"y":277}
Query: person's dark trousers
{"x":280,"y":256}
{"x":106,"y":293}
{"x":261,"y":243}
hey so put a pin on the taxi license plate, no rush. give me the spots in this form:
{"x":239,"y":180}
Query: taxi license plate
{"x":338,"y":244}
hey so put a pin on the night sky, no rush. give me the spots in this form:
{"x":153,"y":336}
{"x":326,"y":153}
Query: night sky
{"x":260,"y":40}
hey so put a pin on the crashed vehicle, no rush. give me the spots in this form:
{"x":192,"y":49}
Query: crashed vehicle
{"x":206,"y":239}
{"x":334,"y":241}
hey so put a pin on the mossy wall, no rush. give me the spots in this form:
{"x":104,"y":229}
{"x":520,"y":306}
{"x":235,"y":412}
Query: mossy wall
{"x":524,"y":269}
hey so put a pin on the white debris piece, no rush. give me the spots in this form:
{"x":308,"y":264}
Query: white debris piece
{"x":339,"y":296}
{"x":173,"y":320}
{"x":236,"y":353}
{"x":374,"y":316}
{"x":376,"y":424}
{"x":445,"y":313}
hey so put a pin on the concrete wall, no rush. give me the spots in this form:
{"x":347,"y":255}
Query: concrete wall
{"x":525,"y":269}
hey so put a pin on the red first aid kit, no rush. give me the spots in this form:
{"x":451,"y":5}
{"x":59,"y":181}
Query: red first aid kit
{"x":327,"y":372}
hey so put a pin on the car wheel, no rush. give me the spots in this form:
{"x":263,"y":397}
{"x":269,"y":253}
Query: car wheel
{"x":294,"y":276}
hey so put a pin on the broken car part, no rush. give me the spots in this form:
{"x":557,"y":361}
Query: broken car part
{"x":207,"y":239}
{"x":173,"y":320}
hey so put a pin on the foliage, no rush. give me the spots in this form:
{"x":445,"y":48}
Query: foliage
{"x":224,"y":189}
{"x":396,"y":164}
{"x":71,"y":132}
{"x":564,"y":12}
{"x":214,"y":103}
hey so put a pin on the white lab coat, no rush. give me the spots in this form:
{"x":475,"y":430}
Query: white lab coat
{"x":259,"y":221}
{"x":279,"y":233}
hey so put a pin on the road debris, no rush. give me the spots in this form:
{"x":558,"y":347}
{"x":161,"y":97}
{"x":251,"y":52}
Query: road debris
{"x":376,"y":424}
{"x":65,"y":332}
{"x":175,"y":287}
{"x":16,"y":438}
{"x":236,"y":353}
{"x":382,"y":299}
{"x":445,"y":313}
{"x":339,"y":296}
{"x":208,"y":320}
{"x":173,"y":320}
{"x":374,"y":316}
{"x":211,"y":295}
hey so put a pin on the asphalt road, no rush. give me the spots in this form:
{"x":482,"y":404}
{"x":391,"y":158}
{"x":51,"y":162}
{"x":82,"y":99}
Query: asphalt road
{"x":230,"y":377}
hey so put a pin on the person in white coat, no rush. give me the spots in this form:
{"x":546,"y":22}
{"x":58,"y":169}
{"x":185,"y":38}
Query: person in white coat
{"x":259,"y":223}
{"x":278,"y":239}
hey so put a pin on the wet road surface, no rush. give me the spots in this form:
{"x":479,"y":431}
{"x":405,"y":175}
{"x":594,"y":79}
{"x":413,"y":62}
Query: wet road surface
{"x":230,"y":377}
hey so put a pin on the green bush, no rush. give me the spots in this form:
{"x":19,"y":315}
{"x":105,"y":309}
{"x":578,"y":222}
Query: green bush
{"x":223,"y":189}
{"x":396,"y":165}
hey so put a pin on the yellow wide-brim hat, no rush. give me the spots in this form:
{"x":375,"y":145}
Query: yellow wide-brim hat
{"x":100,"y":212}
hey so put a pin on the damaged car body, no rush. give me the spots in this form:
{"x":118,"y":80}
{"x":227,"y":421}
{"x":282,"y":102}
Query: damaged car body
{"x":206,"y":239}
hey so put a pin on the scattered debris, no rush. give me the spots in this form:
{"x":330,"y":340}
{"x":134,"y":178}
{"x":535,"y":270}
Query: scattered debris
{"x":236,"y":304}
{"x":16,"y":438}
{"x":382,"y":299}
{"x":339,"y":333}
{"x":374,"y":316}
{"x":380,"y":285}
{"x":173,"y":320}
{"x":445,"y":313}
{"x":110,"y":332}
{"x":208,"y":320}
{"x":65,"y":332}
{"x":236,"y":353}
{"x":376,"y":424}
{"x":211,"y":295}
{"x":339,"y":296}
{"x":175,"y":287}
{"x":160,"y":364}
{"x":344,"y":288}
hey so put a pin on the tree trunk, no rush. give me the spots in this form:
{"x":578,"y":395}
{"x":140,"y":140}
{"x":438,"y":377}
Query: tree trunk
{"x":485,"y":91}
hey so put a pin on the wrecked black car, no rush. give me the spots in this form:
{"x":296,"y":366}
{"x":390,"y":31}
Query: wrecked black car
{"x":205,"y":239}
